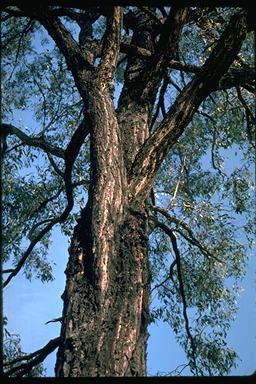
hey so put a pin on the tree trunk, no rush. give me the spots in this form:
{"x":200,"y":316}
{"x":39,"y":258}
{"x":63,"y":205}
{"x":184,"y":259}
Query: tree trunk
{"x":106,"y":299}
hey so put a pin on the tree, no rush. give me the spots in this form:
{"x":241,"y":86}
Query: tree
{"x":184,"y":79}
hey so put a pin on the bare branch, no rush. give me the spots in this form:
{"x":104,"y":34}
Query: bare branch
{"x":164,"y":51}
{"x":7,"y":270}
{"x":33,"y":359}
{"x":71,"y":154}
{"x":158,"y":144}
{"x":160,"y":104}
{"x":167,"y":278}
{"x":171,"y":203}
{"x":250,"y":118}
{"x":58,"y":319}
{"x":64,"y":40}
{"x":111,"y":42}
{"x":134,"y":50}
{"x":32,"y":141}
{"x":174,"y":64}
{"x":234,"y":77}
{"x":54,"y":165}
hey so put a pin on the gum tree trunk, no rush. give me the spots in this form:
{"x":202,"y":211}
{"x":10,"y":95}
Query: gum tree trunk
{"x":107,"y":294}
{"x":106,"y":300}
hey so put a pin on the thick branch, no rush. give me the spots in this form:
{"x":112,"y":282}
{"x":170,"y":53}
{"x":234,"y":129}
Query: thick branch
{"x":235,"y":76}
{"x":32,"y":141}
{"x":160,"y":104}
{"x":134,"y":50}
{"x":33,"y":359}
{"x":154,"y":150}
{"x":164,"y":51}
{"x":71,"y":154}
{"x":111,"y":42}
{"x":174,"y":64}
{"x":64,"y":40}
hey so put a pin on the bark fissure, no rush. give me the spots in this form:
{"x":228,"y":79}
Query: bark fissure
{"x":106,"y":300}
{"x":108,"y":251}
{"x":107,"y":294}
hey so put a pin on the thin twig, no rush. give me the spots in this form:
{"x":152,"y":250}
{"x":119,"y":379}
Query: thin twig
{"x":191,"y":238}
{"x":161,"y":101}
{"x":25,"y":31}
{"x":249,"y":115}
{"x":170,"y":205}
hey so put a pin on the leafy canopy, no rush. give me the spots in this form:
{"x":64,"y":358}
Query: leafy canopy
{"x":203,"y":190}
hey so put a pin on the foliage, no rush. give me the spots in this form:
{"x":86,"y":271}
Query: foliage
{"x":12,"y":350}
{"x":205,"y":182}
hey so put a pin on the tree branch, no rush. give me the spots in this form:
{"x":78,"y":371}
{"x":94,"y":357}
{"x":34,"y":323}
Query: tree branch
{"x":134,"y":50}
{"x":10,"y":129}
{"x":160,"y":104}
{"x":177,"y":186}
{"x":111,"y":42}
{"x":235,"y":76}
{"x":175,"y":64}
{"x":76,"y":60}
{"x":249,"y":115}
{"x":168,"y":277}
{"x":70,"y":155}
{"x":164,"y":51}
{"x":30,"y":248}
{"x":33,"y":359}
{"x":172,"y":237}
{"x":191,"y":238}
{"x":54,"y":165}
{"x":158,"y":144}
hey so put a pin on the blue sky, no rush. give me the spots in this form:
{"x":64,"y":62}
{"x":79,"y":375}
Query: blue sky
{"x":28,"y":305}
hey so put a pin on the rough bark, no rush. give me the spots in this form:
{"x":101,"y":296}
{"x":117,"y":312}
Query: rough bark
{"x":104,"y":330}
{"x":106,"y":298}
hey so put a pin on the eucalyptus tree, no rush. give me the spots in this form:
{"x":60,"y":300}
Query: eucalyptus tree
{"x":132,"y":113}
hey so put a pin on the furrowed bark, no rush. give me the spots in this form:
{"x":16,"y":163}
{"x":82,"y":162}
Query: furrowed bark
{"x":111,"y":44}
{"x":143,"y":77}
{"x":105,"y":328}
{"x":104,"y":331}
{"x":106,"y":298}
